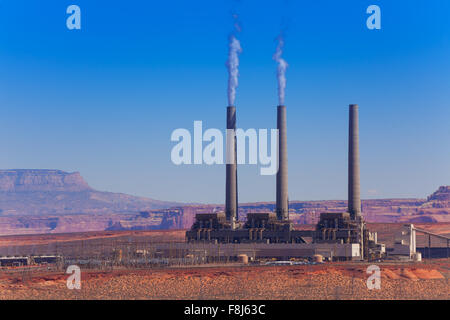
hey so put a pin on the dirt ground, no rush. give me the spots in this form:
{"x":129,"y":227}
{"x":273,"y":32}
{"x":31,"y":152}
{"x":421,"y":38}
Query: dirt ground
{"x":426,"y":280}
{"x":45,"y":239}
{"x":329,"y":281}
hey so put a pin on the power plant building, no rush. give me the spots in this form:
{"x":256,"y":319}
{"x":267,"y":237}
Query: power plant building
{"x":338,"y":235}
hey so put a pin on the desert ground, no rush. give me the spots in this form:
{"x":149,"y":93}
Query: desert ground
{"x":337,"y":280}
{"x":426,"y":280}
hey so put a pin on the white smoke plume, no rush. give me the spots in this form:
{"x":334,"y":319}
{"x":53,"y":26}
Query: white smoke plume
{"x":281,"y":70}
{"x":234,"y":49}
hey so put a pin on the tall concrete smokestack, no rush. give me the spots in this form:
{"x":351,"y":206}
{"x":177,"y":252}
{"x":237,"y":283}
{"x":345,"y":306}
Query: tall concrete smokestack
{"x":354,"y":198}
{"x":231,"y":198}
{"x":282,"y":174}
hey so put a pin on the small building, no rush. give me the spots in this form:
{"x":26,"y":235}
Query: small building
{"x":405,"y":242}
{"x":48,"y":259}
{"x":14,"y":261}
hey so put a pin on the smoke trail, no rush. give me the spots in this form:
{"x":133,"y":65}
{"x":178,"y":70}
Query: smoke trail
{"x":234,"y":49}
{"x":281,"y":70}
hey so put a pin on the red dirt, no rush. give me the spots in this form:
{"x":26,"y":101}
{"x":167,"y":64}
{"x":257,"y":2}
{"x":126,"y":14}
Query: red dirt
{"x":35,"y":239}
{"x":328,"y":281}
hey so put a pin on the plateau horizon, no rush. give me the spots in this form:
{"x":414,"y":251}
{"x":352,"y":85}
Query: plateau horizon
{"x":213,"y":153}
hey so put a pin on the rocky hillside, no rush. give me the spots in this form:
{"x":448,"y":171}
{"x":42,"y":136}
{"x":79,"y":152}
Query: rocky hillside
{"x":53,"y":201}
{"x":26,"y":192}
{"x":26,"y":180}
{"x":442,"y":194}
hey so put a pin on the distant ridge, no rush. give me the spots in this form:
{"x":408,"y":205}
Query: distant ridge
{"x":442,"y":194}
{"x":54,"y":201}
{"x":22,"y":180}
{"x":55,"y":192}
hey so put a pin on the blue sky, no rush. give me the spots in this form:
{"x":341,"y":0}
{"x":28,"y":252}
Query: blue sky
{"x":105,"y":99}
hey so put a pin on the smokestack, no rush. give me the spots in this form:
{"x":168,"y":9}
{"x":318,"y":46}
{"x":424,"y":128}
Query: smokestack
{"x":354,"y":198}
{"x":231,"y":201}
{"x":282,"y":174}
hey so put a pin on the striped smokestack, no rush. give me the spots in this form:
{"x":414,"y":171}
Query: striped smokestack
{"x":282,"y":174}
{"x":231,"y":198}
{"x":354,"y":198}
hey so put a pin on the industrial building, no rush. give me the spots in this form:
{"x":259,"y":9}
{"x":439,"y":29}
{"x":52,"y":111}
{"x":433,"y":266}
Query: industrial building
{"x":212,"y":251}
{"x":20,"y":261}
{"x":15,"y":261}
{"x":343,"y":234}
{"x":405,"y":244}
